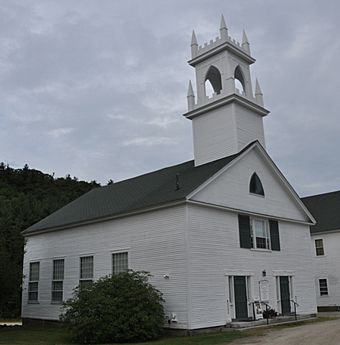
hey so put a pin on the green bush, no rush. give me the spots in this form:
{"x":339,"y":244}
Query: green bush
{"x":120,"y":308}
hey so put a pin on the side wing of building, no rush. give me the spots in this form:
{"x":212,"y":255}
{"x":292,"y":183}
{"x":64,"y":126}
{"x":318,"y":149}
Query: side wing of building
{"x":153,"y":241}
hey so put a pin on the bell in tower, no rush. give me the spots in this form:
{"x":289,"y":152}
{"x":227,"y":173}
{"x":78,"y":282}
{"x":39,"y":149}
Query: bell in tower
{"x":226,"y":115}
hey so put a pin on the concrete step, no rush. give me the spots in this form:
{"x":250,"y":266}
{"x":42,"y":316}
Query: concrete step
{"x":273,"y":321}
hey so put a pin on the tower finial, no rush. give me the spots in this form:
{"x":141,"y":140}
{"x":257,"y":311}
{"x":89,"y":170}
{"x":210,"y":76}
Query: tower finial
{"x":223,"y":29}
{"x":245,"y":42}
{"x":190,"y":97}
{"x":258,"y":94}
{"x":194,"y":45}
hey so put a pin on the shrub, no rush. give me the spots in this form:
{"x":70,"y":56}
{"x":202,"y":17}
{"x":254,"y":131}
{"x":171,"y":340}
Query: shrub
{"x":119,"y":308}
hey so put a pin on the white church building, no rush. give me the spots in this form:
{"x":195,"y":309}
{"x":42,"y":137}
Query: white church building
{"x":217,"y":232}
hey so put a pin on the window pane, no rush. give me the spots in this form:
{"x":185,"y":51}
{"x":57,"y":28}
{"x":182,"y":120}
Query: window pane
{"x":33,"y":296}
{"x":34,"y":271}
{"x":58,"y":269}
{"x":57,"y":286}
{"x":119,"y":262}
{"x":261,"y":233}
{"x":33,"y":291}
{"x":319,"y":247}
{"x":86,"y":267}
{"x":323,"y":287}
{"x":84,"y":283}
{"x":57,"y":296}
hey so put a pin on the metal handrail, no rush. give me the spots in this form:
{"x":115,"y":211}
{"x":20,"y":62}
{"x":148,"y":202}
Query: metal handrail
{"x":295,"y":305}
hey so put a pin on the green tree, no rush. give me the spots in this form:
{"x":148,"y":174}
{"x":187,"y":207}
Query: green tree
{"x":26,"y":196}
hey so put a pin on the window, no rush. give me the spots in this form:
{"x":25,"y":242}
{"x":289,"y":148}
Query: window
{"x":119,"y":262}
{"x":323,"y":287}
{"x":319,"y":247}
{"x":255,"y":185}
{"x":33,"y":284}
{"x":57,"y":281}
{"x":260,"y":233}
{"x":86,"y":271}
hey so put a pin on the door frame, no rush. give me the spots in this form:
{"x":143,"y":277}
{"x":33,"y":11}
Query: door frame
{"x":291,"y":279}
{"x":230,"y":294}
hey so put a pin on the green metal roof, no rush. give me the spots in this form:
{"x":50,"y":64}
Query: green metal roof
{"x":145,"y":191}
{"x":326,"y":210}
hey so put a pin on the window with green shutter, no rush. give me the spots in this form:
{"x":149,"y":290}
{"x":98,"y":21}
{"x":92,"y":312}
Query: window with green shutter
{"x":244,"y":231}
{"x":274,"y":235}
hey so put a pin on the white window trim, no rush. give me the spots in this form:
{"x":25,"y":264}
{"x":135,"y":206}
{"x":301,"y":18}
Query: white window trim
{"x":57,"y":280}
{"x":33,"y":301}
{"x":323,"y":247}
{"x":120,"y":252}
{"x":252,"y":230}
{"x":93,"y":265}
{"x":328,"y":294}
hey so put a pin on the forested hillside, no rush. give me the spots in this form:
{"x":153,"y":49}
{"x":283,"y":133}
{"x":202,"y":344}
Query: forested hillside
{"x":26,"y":196}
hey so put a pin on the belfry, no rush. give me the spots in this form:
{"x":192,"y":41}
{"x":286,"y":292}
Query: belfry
{"x":232,"y":116}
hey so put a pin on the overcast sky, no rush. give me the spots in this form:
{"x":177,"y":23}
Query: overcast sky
{"x":97,"y":89}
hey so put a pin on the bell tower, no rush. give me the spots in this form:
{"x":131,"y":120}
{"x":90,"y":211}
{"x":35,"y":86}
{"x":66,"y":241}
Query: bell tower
{"x":231,"y":115}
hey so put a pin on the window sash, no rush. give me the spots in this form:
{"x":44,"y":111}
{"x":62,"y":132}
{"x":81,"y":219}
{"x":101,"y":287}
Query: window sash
{"x":57,"y":291}
{"x":319,"y":249}
{"x":58,"y":269}
{"x":86,"y":267}
{"x":323,"y":286}
{"x":85,"y":283}
{"x":33,"y":289}
{"x":120,"y":262}
{"x":260,"y":233}
{"x":34,"y":271}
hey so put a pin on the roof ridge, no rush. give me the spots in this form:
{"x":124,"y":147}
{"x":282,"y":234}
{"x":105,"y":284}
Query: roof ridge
{"x":147,"y":173}
{"x":321,"y":194}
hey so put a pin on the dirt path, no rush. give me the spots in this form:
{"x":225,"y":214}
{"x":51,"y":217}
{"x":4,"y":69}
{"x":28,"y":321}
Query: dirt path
{"x":319,"y":333}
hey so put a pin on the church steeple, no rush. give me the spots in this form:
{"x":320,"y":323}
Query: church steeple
{"x":226,"y":114}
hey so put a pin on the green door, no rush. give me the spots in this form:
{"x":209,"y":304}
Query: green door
{"x":285,"y":295}
{"x":241,"y":304}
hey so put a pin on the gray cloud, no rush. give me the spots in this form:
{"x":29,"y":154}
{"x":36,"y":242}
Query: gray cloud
{"x":97,"y":89}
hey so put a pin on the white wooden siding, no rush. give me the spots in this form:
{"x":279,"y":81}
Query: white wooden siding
{"x":231,"y":189}
{"x":249,"y":127}
{"x":155,"y":242}
{"x":214,"y":135}
{"x":214,"y":252}
{"x":328,"y":266}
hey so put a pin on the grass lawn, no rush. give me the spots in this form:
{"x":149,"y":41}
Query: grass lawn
{"x":14,"y":335}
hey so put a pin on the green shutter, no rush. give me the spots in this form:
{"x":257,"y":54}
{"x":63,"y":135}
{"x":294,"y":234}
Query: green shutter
{"x":244,"y":229}
{"x":274,"y":235}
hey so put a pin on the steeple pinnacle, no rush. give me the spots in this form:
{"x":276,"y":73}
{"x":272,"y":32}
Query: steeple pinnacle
{"x":194,"y":45}
{"x":223,"y":28}
{"x":245,"y":42}
{"x":190,"y":97}
{"x":258,"y":94}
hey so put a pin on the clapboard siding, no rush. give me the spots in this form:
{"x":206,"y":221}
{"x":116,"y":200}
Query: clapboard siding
{"x":155,"y":242}
{"x":328,"y":266}
{"x":215,"y":252}
{"x":249,"y":127}
{"x":231,"y":189}
{"x":214,"y":135}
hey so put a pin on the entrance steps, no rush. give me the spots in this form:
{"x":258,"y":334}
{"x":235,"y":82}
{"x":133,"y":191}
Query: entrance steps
{"x":277,"y":320}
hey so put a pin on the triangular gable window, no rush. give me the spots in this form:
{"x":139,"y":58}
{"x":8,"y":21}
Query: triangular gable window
{"x":255,"y":186}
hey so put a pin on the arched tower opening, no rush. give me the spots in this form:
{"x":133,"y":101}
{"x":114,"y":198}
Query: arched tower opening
{"x":213,"y":81}
{"x":239,"y":80}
